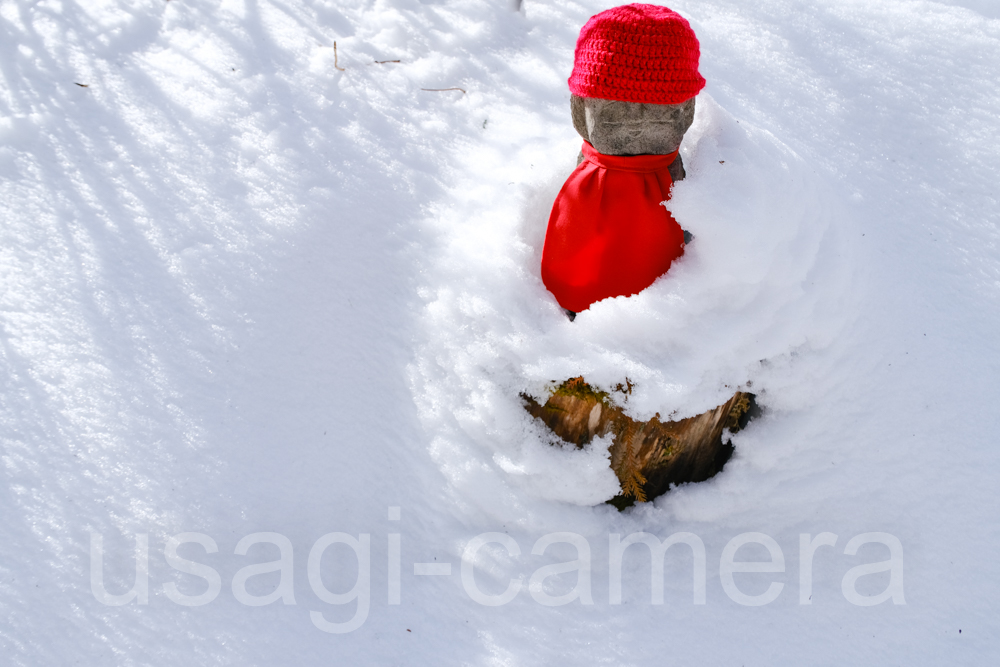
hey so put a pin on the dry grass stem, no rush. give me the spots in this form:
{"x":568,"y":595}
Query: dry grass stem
{"x":335,"y":65}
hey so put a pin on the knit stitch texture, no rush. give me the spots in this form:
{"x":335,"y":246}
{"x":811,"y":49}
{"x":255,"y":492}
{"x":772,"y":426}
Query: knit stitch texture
{"x":637,"y":53}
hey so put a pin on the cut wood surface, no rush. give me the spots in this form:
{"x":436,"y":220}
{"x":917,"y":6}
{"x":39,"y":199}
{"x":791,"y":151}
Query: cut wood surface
{"x":647,"y":456}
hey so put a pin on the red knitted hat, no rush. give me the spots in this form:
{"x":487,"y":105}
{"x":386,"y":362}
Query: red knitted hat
{"x":637,"y":53}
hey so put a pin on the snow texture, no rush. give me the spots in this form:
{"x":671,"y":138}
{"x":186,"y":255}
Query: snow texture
{"x":244,"y":291}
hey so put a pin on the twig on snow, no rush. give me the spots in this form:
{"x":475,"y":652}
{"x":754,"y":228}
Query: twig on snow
{"x":382,"y":62}
{"x":83,"y":85}
{"x":335,"y":65}
{"x":441,"y":90}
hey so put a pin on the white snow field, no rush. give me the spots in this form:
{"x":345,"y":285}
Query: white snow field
{"x":243,"y":291}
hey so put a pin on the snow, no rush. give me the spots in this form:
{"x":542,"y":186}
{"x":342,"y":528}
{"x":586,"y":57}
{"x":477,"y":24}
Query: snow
{"x":767,"y":278}
{"x":245,"y":292}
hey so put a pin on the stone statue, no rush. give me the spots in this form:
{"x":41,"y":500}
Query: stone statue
{"x":634,"y":81}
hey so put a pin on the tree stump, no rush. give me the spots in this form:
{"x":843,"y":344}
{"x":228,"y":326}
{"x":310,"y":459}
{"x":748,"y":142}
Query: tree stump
{"x":647,"y":456}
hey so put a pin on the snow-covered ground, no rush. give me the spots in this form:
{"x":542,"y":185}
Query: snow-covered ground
{"x":243,"y":291}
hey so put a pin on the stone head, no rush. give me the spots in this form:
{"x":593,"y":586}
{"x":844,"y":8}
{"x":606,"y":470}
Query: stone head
{"x":631,"y":128}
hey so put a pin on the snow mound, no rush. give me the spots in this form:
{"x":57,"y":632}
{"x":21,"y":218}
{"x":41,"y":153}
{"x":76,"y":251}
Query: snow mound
{"x":765,"y":281}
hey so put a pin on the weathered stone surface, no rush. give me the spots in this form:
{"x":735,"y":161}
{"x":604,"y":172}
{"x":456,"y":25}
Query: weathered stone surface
{"x":648,"y":457}
{"x":630,"y":128}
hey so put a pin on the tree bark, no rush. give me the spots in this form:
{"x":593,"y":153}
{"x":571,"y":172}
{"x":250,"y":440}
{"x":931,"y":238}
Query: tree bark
{"x":648,"y":457}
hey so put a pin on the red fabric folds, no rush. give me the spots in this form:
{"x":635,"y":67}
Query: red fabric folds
{"x":609,"y":234}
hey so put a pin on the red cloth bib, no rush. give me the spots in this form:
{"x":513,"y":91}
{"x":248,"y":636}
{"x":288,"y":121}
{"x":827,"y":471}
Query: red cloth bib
{"x":608,"y":234}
